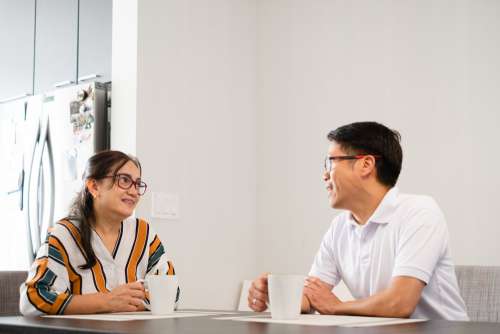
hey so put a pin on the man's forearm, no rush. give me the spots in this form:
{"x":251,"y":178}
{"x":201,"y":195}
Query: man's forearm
{"x":384,"y":304}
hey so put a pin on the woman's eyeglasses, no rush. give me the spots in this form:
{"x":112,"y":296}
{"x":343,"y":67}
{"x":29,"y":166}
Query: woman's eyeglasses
{"x":125,"y":182}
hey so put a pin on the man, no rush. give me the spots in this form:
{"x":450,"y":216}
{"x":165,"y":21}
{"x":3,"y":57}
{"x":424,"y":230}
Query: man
{"x":390,"y":249}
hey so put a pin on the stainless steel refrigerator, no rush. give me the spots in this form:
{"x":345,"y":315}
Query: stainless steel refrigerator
{"x":48,"y":139}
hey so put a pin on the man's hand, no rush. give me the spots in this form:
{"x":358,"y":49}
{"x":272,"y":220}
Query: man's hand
{"x":320,"y":295}
{"x":257,"y":294}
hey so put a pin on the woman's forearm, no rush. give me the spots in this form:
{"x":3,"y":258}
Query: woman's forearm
{"x":88,"y":303}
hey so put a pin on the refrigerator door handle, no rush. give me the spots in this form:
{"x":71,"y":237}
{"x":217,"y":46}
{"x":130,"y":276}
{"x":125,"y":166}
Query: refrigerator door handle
{"x":52,"y":183}
{"x":89,"y":77}
{"x":33,"y":208}
{"x":21,"y":188}
{"x":63,"y":83}
{"x":29,"y":205}
{"x":19,"y":183}
{"x":36,"y":212}
{"x":47,"y":189}
{"x":13,"y":98}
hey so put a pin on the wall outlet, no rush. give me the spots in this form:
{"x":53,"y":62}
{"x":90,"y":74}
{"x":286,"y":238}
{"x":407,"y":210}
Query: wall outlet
{"x":165,"y":206}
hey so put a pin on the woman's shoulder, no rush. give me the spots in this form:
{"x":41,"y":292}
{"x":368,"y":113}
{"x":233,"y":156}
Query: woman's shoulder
{"x":65,"y":225}
{"x":65,"y":233}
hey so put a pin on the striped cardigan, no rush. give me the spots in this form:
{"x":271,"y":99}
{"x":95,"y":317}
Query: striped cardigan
{"x":55,"y":275}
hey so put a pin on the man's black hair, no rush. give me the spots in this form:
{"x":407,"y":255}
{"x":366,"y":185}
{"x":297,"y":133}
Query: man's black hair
{"x":373,"y":138}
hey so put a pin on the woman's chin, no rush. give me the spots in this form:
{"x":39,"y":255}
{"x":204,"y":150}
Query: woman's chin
{"x":125,"y":213}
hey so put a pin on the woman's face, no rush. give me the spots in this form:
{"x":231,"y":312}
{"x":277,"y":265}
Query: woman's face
{"x":111,"y":200}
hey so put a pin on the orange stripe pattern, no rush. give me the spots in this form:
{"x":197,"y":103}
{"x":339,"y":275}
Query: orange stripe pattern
{"x":34,"y":295}
{"x":141,"y":238}
{"x":74,"y":278}
{"x":154,"y":245}
{"x":171,"y":270}
{"x":97,"y":270}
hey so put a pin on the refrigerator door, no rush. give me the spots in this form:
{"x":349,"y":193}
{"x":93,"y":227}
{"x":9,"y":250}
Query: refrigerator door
{"x":40,"y":193}
{"x":46,"y":140}
{"x":32,"y":138}
{"x":77,"y":129}
{"x":11,"y":121}
{"x":18,"y":125}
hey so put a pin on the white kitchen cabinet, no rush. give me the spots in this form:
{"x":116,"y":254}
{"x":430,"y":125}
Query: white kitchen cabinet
{"x":94,"y":40}
{"x":17,"y":24}
{"x":65,"y":42}
{"x":56,"y":44}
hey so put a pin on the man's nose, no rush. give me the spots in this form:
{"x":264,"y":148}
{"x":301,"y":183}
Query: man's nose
{"x":326,"y":176}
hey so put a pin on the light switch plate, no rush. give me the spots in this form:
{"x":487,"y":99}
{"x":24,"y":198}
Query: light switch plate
{"x":165,"y":206}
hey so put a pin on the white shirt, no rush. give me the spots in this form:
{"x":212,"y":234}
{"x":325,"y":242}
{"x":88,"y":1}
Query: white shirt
{"x":406,"y":236}
{"x":55,"y":276}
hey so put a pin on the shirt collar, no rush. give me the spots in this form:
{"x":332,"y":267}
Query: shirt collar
{"x":383,"y":213}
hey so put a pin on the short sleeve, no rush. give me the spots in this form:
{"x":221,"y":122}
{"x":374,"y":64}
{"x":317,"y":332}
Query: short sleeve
{"x":422,"y":242}
{"x":324,"y":265}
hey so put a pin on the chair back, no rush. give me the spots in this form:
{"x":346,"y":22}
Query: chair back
{"x":10,"y":281}
{"x":480,"y":289}
{"x":243,"y":302}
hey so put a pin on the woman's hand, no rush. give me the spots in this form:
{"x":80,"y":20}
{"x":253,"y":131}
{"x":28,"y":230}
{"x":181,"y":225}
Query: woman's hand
{"x":123,"y":298}
{"x":126,"y":298}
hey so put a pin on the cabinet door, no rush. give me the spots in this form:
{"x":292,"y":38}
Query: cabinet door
{"x":55,"y":43}
{"x":17,"y":23}
{"x":95,"y":40}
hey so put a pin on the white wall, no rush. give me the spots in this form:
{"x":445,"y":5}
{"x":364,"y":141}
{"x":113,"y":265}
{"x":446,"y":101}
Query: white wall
{"x":430,"y":69}
{"x":124,"y":75}
{"x":234,"y":100}
{"x":196,"y":138}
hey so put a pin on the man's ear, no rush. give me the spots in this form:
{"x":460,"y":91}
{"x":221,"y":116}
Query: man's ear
{"x":368,"y":165}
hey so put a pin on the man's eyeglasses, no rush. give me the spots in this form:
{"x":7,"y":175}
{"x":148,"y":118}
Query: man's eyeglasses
{"x":330,"y":160}
{"x":125,"y":182}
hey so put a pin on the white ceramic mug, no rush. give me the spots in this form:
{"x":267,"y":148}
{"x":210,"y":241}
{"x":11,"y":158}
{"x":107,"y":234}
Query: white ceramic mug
{"x":162,"y":293}
{"x":285,"y":295}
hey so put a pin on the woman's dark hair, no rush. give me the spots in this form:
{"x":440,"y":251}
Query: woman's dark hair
{"x":373,"y":138}
{"x":98,"y":166}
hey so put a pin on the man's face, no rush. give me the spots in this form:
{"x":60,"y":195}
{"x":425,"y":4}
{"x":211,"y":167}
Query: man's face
{"x":341,"y":181}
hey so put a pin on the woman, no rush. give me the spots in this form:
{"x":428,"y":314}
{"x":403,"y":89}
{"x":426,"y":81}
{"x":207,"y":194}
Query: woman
{"x":91,"y":260}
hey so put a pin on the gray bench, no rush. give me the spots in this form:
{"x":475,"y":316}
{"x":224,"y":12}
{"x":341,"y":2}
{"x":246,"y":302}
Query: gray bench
{"x":9,"y":291}
{"x":480,"y":289}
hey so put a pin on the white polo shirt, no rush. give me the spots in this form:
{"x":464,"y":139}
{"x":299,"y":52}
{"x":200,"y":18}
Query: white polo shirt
{"x":405,"y":236}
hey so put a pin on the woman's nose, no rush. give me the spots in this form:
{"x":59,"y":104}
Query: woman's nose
{"x":133,"y":191}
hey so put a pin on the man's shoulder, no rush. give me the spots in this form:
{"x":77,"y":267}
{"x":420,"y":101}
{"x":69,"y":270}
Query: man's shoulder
{"x":417,"y":203}
{"x":417,"y":210}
